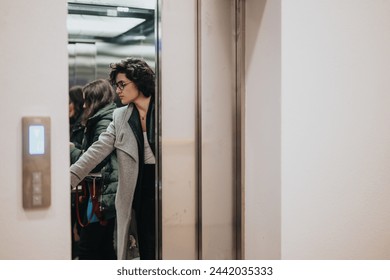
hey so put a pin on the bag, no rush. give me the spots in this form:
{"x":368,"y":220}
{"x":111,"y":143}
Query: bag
{"x":92,"y":186}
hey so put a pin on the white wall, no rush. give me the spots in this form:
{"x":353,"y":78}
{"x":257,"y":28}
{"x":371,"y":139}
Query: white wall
{"x":34,"y":82}
{"x":335,"y":129}
{"x":263,"y":134}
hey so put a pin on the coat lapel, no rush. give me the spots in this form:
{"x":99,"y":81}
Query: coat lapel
{"x":125,"y":139}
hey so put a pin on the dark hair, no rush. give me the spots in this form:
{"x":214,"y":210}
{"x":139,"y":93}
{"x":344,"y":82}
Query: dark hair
{"x":97,"y":95}
{"x":76,"y":97}
{"x":137,"y":71}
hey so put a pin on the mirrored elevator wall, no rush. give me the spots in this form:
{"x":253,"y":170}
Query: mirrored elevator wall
{"x":82,"y":63}
{"x":90,"y":61}
{"x":201,"y":130}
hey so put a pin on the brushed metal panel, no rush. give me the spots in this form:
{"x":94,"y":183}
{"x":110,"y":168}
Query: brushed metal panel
{"x":178,"y":97}
{"x":218,"y":127}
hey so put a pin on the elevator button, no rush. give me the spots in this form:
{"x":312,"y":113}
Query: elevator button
{"x":37,"y":199}
{"x":37,"y":178}
{"x":37,"y":188}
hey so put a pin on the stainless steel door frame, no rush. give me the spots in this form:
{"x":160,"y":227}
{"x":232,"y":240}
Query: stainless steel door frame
{"x":201,"y":203}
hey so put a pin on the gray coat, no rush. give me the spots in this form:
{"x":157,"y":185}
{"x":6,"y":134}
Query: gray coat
{"x":118,"y":136}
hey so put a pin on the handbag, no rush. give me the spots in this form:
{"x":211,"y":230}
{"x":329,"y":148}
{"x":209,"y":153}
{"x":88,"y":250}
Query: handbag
{"x":90,"y":187}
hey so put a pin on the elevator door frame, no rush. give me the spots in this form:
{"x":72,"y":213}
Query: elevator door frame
{"x":237,"y":16}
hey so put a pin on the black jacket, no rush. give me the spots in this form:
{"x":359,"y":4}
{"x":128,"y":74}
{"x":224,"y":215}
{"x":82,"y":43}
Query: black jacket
{"x":135,"y":125}
{"x":76,"y":131}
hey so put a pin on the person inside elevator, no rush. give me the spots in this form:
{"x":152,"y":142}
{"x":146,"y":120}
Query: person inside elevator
{"x":76,"y":134}
{"x":97,"y":234}
{"x":131,"y":134}
{"x":76,"y":104}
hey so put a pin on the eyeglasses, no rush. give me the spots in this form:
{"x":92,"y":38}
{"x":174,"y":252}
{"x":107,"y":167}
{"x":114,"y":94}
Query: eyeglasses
{"x":121,"y":85}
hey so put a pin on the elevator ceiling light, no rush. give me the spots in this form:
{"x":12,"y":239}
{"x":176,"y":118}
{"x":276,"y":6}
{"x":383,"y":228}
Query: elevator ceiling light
{"x":84,"y":25}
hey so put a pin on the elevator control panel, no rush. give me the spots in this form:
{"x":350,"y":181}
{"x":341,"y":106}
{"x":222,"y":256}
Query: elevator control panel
{"x":36,"y":162}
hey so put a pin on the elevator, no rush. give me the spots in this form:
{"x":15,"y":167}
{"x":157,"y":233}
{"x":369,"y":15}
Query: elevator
{"x":199,"y":203}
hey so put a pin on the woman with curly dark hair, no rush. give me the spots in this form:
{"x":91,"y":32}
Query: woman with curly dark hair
{"x":132,"y":134}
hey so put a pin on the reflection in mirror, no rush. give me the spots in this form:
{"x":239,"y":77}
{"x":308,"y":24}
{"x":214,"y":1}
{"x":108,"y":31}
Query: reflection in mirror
{"x":101,"y":32}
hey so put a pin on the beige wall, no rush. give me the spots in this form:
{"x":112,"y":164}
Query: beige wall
{"x":335,"y":129}
{"x":263,"y":129}
{"x":324,"y":192}
{"x":34,"y":82}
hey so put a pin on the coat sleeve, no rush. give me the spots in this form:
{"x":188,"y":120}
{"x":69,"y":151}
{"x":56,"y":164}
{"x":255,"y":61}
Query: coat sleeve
{"x":95,"y":154}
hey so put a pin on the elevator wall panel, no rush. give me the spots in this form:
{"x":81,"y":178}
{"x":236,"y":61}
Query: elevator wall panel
{"x":179,"y":190}
{"x":218,"y":122}
{"x":198,"y":135}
